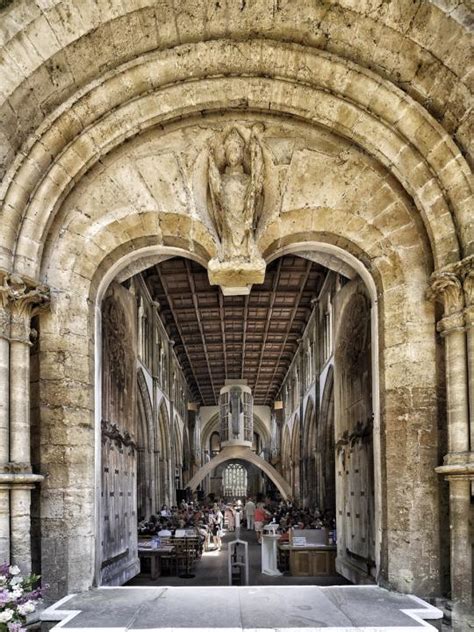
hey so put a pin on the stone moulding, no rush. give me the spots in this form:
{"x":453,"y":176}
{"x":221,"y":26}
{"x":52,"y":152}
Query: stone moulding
{"x":317,"y":94}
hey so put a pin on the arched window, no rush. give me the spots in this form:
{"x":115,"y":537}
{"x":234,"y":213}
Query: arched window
{"x":215,"y":443}
{"x":235,"y":480}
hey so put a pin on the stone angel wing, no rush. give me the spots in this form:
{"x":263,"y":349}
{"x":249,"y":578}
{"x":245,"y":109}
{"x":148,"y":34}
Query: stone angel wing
{"x":215,"y":190}
{"x":254,"y":198}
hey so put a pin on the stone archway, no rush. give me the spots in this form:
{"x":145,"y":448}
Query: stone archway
{"x":67,"y":230}
{"x":230,"y":453}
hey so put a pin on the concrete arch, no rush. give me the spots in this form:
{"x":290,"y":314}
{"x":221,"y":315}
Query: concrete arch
{"x":231,"y":453}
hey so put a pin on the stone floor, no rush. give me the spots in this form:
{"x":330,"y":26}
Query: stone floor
{"x":249,"y":608}
{"x":205,"y":602}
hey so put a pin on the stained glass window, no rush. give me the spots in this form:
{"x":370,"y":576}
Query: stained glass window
{"x":235,"y":480}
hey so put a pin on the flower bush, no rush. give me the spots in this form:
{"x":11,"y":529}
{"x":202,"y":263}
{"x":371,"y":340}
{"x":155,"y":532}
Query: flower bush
{"x":18,"y":598}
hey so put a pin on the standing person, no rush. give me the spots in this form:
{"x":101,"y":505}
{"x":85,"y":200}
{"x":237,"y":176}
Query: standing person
{"x":215,"y":522}
{"x":249,"y":510}
{"x":261,"y":514}
{"x":229,"y":516}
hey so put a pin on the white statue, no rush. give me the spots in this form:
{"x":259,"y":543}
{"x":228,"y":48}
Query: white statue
{"x":236,"y":191}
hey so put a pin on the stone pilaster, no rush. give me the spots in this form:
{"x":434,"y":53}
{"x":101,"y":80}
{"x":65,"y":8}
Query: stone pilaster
{"x":447,"y":287}
{"x":453,"y":287}
{"x":4,"y":417}
{"x":466,"y":270}
{"x":25,"y":301}
{"x":21,"y":300}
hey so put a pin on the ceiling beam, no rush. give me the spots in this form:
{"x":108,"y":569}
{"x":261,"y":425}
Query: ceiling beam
{"x":223,"y":322}
{"x":293,"y":314}
{"x":276,"y":281}
{"x":244,"y":335}
{"x":192,"y":288}
{"x":173,"y":312}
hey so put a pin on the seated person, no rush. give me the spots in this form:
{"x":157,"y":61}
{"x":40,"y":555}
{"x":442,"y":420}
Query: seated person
{"x":164,"y":532}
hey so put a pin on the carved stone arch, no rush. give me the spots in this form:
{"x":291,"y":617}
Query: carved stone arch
{"x":146,"y":480}
{"x":314,"y":85}
{"x":187,"y":456}
{"x":296,"y":458}
{"x":163,"y":429}
{"x":308,"y":453}
{"x":232,"y":453}
{"x":296,"y":88}
{"x":178,"y":441}
{"x":164,"y":468}
{"x":286,"y":453}
{"x":309,"y":422}
{"x":325,"y":443}
{"x":147,"y":408}
{"x":177,"y":452}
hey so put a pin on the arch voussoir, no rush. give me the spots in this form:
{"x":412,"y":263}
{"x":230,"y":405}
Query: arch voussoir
{"x":303,"y":94}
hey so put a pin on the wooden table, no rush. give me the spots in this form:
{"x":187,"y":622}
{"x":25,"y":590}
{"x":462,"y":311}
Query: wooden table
{"x":155,"y":557}
{"x":311,"y":560}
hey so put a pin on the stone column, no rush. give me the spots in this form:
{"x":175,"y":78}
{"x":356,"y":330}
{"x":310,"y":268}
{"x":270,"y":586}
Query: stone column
{"x":458,"y":466}
{"x":25,"y":301}
{"x":467,"y":273}
{"x":4,"y":418}
{"x":448,"y":286}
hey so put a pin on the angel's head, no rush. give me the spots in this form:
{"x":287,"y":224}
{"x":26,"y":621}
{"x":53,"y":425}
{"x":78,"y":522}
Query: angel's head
{"x":234,"y":146}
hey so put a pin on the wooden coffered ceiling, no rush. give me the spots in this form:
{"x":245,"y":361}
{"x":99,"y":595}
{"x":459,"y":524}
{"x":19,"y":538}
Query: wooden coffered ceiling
{"x":221,"y":337}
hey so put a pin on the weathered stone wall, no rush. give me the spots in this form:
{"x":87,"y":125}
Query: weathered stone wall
{"x":105,"y":113}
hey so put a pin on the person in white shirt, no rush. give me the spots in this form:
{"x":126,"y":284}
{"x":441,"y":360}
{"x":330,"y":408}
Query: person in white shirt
{"x":164,"y":533}
{"x":249,"y":510}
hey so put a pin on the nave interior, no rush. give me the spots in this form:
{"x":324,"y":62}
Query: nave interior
{"x":208,"y":398}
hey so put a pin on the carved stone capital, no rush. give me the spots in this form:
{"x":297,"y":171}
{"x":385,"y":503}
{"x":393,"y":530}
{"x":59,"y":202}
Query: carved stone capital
{"x":20,"y":300}
{"x":446,"y":287}
{"x":468,"y":287}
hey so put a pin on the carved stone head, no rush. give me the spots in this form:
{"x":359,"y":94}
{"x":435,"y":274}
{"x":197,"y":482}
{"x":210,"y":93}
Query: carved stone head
{"x":234,"y":146}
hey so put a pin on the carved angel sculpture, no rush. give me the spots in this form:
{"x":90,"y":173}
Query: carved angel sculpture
{"x":236,"y":188}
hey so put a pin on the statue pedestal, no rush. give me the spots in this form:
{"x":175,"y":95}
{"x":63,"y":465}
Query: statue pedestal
{"x":236,"y":277}
{"x":269,"y":555}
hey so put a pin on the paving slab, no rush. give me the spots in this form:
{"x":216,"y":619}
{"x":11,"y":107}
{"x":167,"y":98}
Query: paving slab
{"x":241,"y":608}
